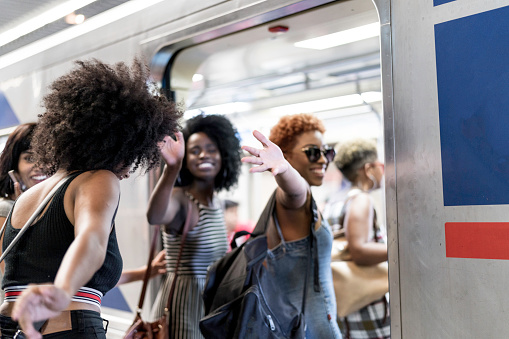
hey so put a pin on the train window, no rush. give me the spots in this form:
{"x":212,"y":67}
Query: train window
{"x":325,"y":61}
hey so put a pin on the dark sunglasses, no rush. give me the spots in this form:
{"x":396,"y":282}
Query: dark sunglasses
{"x":314,"y":153}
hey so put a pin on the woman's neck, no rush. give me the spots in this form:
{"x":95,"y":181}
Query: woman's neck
{"x":363,"y":185}
{"x":203,"y":193}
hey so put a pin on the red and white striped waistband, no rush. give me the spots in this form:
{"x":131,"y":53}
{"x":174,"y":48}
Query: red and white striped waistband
{"x":84,"y":295}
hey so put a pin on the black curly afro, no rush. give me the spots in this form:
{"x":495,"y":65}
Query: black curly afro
{"x":220,"y":130}
{"x":102,"y":116}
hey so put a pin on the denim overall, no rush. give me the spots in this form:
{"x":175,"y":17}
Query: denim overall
{"x":289,"y":263}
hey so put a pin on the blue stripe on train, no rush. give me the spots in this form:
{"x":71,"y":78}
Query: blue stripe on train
{"x":472,"y":56}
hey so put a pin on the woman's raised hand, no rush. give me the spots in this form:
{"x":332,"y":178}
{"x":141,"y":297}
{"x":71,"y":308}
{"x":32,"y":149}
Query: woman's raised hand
{"x":173,"y":151}
{"x":269,"y":158}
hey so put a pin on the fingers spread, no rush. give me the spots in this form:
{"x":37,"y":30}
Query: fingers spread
{"x":252,"y":150}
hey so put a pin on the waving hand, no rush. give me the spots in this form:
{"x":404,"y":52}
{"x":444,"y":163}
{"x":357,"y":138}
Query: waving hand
{"x":268,"y":158}
{"x":173,"y":151}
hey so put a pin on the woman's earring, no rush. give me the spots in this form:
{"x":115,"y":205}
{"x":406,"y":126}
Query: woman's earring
{"x":225,"y":173}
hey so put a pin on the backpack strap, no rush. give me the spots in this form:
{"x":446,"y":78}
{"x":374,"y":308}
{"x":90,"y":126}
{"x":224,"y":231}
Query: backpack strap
{"x":263,"y":220}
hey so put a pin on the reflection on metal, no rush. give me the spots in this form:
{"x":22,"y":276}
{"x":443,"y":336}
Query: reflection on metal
{"x":391,"y":208}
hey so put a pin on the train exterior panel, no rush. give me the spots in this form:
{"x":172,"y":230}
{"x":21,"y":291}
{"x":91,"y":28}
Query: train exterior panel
{"x":447,"y":195}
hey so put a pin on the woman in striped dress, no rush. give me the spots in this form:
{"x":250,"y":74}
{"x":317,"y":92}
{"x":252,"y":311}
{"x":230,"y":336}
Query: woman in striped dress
{"x":204,"y":159}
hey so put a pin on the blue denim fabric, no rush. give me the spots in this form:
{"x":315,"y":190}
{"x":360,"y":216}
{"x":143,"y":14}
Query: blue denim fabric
{"x":85,"y":325}
{"x":288,"y":262}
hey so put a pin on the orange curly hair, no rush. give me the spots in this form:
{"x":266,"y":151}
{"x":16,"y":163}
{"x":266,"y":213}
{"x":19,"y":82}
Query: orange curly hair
{"x":289,"y":127}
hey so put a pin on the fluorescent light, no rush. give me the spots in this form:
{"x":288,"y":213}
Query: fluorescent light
{"x":319,"y":105}
{"x":197,"y":77}
{"x":371,"y":96}
{"x":68,"y":34}
{"x":228,"y":108}
{"x":43,"y":19}
{"x":341,"y":38}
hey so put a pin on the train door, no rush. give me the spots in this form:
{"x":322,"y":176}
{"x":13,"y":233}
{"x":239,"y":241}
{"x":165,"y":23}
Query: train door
{"x":324,"y":61}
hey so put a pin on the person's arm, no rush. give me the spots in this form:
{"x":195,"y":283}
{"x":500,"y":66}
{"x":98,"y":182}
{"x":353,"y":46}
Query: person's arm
{"x":292,"y":199}
{"x":157,"y":267}
{"x":90,"y":207}
{"x":161,"y":208}
{"x":359,"y":222}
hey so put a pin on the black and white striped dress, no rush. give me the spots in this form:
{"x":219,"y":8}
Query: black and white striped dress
{"x":205,"y":244}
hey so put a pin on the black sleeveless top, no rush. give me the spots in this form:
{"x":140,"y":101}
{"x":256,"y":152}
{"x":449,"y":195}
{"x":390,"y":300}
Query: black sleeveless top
{"x":36,"y":257}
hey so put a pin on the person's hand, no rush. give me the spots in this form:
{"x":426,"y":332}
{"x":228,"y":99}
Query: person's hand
{"x":269,"y":158}
{"x":158,"y":265}
{"x":36,"y":303}
{"x":173,"y":151}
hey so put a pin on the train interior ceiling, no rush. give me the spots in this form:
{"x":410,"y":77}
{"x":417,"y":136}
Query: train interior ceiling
{"x":325,"y":61}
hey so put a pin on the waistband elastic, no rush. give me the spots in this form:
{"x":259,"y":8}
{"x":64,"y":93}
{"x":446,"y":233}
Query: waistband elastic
{"x":84,"y":295}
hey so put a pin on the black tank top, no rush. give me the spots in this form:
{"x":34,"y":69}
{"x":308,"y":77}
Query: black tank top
{"x":36,"y":257}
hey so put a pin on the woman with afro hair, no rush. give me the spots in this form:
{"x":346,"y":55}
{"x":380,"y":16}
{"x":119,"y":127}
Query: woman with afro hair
{"x":101,"y":123}
{"x":297,"y":157}
{"x":201,"y":162}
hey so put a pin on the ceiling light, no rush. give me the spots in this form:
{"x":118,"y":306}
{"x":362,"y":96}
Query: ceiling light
{"x":74,"y":19}
{"x":228,"y":108}
{"x":71,"y":33}
{"x":370,"y":97}
{"x":341,"y":38}
{"x":43,"y":19}
{"x":197,"y":77}
{"x":319,"y":105}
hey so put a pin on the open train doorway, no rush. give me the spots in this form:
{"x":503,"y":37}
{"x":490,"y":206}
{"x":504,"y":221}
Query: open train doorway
{"x":324,"y":61}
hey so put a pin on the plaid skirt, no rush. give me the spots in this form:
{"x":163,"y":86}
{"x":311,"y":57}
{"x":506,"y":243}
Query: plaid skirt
{"x":370,"y":322}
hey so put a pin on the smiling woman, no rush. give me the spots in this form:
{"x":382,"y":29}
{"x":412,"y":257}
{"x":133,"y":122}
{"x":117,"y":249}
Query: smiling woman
{"x":202,"y":161}
{"x":17,"y":170}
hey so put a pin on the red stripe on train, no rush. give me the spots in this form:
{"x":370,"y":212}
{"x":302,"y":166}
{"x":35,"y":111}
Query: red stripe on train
{"x":477,"y":240}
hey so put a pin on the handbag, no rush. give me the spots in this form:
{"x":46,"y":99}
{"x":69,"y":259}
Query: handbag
{"x":241,"y":298}
{"x":356,"y":286}
{"x":158,"y":329}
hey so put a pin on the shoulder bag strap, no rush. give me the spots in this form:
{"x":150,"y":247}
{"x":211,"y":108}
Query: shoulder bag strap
{"x":184,"y":235}
{"x":146,"y":276}
{"x":32,"y":218}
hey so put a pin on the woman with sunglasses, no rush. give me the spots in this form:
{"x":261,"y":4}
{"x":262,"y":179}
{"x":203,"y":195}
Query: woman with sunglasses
{"x":300,"y":138}
{"x":358,"y":162}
